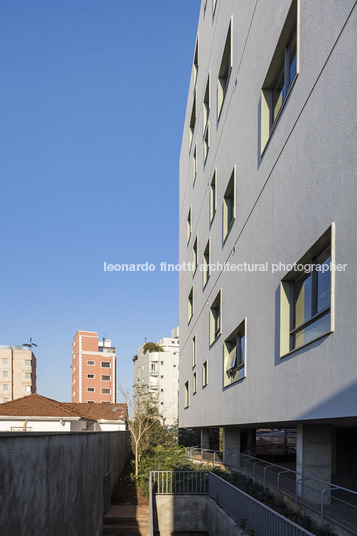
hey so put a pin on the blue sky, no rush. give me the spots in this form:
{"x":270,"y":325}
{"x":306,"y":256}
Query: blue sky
{"x":93,"y":97}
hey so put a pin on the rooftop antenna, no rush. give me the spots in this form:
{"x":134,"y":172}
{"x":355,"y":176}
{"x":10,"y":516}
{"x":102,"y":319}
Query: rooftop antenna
{"x":30,"y":344}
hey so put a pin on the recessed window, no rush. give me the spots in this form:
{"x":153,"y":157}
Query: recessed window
{"x":229,"y":208}
{"x":105,"y":364}
{"x":190,"y":304}
{"x":5,"y":399}
{"x":206,"y":143}
{"x":195,"y":64}
{"x":206,"y":105}
{"x":194,"y":256}
{"x":194,"y":351}
{"x":105,"y":378}
{"x":215,"y":318}
{"x":90,"y":376}
{"x":91,"y":363}
{"x":204,"y":374}
{"x":206,"y":264}
{"x":187,"y":394}
{"x":90,"y":401}
{"x":305,"y":300}
{"x":280,"y":77}
{"x":235,"y":355}
{"x":189,"y":225}
{"x":194,"y":165}
{"x":5,"y":387}
{"x":5,"y":374}
{"x":90,"y":389}
{"x":192,"y":121}
{"x":5,"y":361}
{"x":27,"y":388}
{"x":105,"y":391}
{"x":213,"y":197}
{"x":27,"y":363}
{"x":194,"y":383}
{"x":225,"y":70}
{"x":28,"y":375}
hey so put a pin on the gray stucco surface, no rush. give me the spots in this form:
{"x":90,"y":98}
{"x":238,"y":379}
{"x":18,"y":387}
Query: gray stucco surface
{"x":285,"y":200}
{"x":52,"y":484}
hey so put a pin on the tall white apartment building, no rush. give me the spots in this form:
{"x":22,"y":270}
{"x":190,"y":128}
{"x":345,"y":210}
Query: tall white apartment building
{"x":159,"y":372}
{"x":268,"y":185}
{"x":17,"y":373}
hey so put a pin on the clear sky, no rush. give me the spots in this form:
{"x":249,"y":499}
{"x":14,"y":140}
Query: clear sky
{"x":93,"y":97}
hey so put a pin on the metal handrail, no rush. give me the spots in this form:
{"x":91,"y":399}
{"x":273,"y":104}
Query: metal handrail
{"x":299,"y":479}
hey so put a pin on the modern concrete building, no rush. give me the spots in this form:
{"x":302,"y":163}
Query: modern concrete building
{"x":268,"y":179}
{"x":93,"y":368}
{"x":159,"y":371}
{"x":17,"y":373}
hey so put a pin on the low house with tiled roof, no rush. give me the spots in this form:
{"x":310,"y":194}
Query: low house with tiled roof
{"x":36,"y":413}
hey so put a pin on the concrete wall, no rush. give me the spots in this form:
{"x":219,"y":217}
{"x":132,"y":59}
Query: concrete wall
{"x":286,"y":199}
{"x":13,"y":373}
{"x":53,"y":483}
{"x":194,"y":513}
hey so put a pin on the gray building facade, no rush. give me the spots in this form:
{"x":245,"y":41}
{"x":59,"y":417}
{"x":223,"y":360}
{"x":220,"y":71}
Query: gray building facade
{"x":268,"y":224}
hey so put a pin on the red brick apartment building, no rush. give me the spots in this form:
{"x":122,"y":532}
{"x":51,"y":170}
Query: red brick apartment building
{"x":93,"y":368}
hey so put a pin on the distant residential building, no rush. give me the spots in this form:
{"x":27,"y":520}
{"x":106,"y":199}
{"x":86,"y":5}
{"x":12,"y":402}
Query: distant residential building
{"x":17,"y":373}
{"x":93,"y":368}
{"x":36,"y":413}
{"x":159,"y":371}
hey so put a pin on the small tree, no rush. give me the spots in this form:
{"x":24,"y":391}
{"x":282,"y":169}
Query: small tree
{"x":143,"y":414}
{"x":152,"y":347}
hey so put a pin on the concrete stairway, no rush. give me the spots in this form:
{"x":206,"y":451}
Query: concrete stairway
{"x":126,"y":520}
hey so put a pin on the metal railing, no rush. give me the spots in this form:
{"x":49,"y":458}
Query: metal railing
{"x":331,"y":503}
{"x":179,"y":482}
{"x":251,"y":514}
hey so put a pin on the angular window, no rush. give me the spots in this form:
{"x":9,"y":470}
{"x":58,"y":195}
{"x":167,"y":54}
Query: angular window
{"x":194,"y":383}
{"x":194,"y":256}
{"x":105,"y":391}
{"x":194,"y":351}
{"x":195,"y":64}
{"x":90,"y":376}
{"x":28,"y":375}
{"x":190,"y":305}
{"x":90,"y":389}
{"x":27,"y":363}
{"x":206,"y":143}
{"x":5,"y":374}
{"x":189,"y":225}
{"x":206,"y":105}
{"x":204,"y":374}
{"x":5,"y":361}
{"x":27,"y":388}
{"x":281,"y":76}
{"x":305,"y":299}
{"x":90,"y":363}
{"x":206,"y":264}
{"x":213,"y":197}
{"x":229,"y":208}
{"x":225,"y":70}
{"x":105,"y":377}
{"x":194,"y":165}
{"x":193,"y":121}
{"x":105,"y":364}
{"x":187,"y":394}
{"x":5,"y":387}
{"x":215,"y":318}
{"x":235,"y":355}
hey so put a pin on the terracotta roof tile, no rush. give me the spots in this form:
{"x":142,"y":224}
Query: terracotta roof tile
{"x":36,"y":405}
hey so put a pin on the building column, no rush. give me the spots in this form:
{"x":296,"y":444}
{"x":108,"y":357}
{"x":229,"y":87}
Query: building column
{"x":204,"y":438}
{"x":313,"y":458}
{"x":231,"y":445}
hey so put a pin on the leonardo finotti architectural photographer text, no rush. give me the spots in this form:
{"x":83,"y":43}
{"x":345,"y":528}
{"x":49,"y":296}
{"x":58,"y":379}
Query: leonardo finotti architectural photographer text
{"x":225,"y":267}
